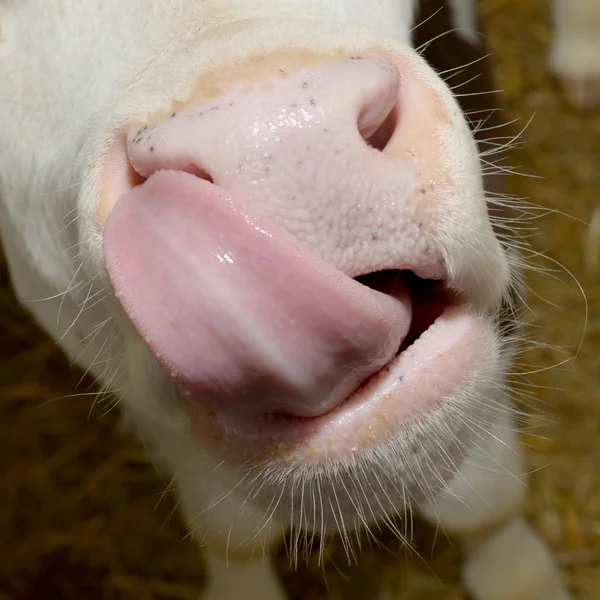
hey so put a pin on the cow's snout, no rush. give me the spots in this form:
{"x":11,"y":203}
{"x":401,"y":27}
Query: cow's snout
{"x":315,"y":151}
{"x":290,"y":125}
{"x":285,"y":253}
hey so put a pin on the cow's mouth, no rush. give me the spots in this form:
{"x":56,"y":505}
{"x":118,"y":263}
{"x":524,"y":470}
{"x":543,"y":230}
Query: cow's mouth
{"x":448,"y":348}
{"x":429,"y":299}
{"x":273,"y":347}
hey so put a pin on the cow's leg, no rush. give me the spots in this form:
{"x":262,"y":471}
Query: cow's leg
{"x":236,"y":543}
{"x":238,"y":562}
{"x":241,"y":579}
{"x":575,"y":50}
{"x":505,"y":559}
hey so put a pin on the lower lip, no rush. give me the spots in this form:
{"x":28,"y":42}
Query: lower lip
{"x":440,"y":363}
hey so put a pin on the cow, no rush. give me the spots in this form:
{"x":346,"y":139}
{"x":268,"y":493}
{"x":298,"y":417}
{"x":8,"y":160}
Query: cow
{"x":270,"y":236}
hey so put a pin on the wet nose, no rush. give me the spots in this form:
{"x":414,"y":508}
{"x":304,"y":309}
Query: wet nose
{"x":309,"y":150}
{"x":289,"y":126}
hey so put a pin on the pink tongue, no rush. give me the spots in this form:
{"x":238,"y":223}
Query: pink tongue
{"x":240,"y":314}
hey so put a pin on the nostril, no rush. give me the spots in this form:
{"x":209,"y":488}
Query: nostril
{"x":131,"y":177}
{"x":378,"y":119}
{"x":198,"y":171}
{"x":380,"y":136}
{"x":136,"y":178}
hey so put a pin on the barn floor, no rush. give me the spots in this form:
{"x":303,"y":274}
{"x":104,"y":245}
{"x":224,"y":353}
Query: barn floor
{"x":80,"y":515}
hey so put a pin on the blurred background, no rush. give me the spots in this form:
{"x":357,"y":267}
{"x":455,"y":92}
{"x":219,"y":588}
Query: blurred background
{"x":82,"y":511}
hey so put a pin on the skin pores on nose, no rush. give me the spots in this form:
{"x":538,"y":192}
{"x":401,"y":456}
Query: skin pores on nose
{"x":116,"y":174}
{"x":291,"y":147}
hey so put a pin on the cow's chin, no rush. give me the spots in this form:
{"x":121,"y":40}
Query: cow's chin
{"x":352,"y":466}
{"x":375,"y":483}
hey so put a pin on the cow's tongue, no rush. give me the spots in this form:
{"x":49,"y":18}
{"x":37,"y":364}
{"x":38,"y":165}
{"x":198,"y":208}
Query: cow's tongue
{"x":241,"y":315}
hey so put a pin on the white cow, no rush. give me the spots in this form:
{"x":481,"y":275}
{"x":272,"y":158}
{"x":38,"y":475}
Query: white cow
{"x":261,"y":224}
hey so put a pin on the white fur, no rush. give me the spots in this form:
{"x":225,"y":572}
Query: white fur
{"x":76,"y":71}
{"x":513,"y":563}
{"x":505,"y":558}
{"x":490,"y":485}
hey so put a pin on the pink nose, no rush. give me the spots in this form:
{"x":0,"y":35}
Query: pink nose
{"x":305,"y":150}
{"x":236,"y":268}
{"x":297,"y":138}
